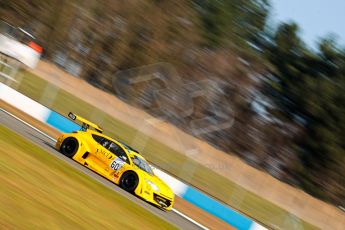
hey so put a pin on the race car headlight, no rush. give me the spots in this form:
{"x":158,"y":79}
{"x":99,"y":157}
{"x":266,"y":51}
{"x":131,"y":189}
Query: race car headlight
{"x":153,"y":185}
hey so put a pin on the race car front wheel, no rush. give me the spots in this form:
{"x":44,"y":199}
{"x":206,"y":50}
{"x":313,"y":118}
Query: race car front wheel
{"x":69,"y":147}
{"x":129,"y":181}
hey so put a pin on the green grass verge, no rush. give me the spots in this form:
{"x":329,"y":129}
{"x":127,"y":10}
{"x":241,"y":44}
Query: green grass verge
{"x":38,"y":191}
{"x":170,"y":160}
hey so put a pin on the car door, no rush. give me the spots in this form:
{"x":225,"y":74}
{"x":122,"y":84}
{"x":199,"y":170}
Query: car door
{"x":102,"y":152}
{"x":120,"y":162}
{"x":113,"y":157}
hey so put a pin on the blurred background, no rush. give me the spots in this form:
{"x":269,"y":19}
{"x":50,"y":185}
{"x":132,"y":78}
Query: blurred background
{"x":286,"y":101}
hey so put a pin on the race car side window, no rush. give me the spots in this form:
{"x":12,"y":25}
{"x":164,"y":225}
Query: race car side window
{"x":118,"y":151}
{"x":97,"y":138}
{"x":101,"y":140}
{"x":105,"y":143}
{"x":112,"y":147}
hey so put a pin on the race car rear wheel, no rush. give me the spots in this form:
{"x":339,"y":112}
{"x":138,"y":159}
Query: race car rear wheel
{"x":129,"y":181}
{"x":69,"y":147}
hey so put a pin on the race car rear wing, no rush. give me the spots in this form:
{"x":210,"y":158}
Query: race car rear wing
{"x":85,"y":123}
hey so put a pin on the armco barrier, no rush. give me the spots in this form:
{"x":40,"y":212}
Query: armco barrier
{"x":182,"y":190}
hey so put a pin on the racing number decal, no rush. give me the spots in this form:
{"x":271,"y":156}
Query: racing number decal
{"x":117,"y":164}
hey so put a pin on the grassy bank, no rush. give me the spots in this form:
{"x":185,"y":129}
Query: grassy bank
{"x":161,"y":155}
{"x":38,"y":191}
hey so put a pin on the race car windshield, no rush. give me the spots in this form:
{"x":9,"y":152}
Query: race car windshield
{"x":142,"y":164}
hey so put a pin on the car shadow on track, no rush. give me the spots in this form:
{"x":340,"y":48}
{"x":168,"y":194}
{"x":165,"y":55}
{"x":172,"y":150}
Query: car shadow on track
{"x":42,"y":140}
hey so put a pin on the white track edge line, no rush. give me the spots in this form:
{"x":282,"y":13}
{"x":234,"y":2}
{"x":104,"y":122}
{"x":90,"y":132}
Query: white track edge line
{"x":46,"y":135}
{"x":34,"y":128}
{"x":190,"y":219}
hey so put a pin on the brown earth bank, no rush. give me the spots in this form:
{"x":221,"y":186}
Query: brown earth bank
{"x":293,"y":200}
{"x":181,"y":205}
{"x":32,"y":121}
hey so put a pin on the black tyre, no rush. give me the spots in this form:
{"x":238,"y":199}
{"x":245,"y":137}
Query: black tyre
{"x":69,"y":147}
{"x":129,"y":181}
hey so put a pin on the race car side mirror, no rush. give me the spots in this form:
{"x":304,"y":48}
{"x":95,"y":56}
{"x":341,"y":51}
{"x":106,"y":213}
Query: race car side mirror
{"x":72,"y":116}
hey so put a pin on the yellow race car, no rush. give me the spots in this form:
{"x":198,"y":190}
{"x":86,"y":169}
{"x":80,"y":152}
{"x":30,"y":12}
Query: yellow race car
{"x":115,"y":161}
